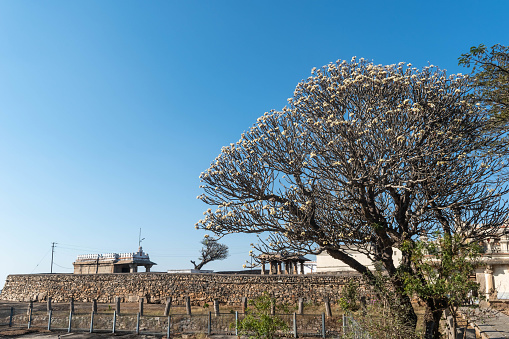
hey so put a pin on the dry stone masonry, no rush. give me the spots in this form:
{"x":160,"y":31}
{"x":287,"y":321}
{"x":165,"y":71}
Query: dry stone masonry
{"x":157,"y":287}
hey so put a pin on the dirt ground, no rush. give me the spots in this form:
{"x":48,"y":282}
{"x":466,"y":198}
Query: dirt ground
{"x":26,"y":334}
{"x":129,"y":308}
{"x":29,"y":334}
{"x":126,"y":309}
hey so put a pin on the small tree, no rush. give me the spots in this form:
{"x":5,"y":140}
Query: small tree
{"x":260,"y":323}
{"x":349,"y":297}
{"x":446,"y":263}
{"x":211,"y":251}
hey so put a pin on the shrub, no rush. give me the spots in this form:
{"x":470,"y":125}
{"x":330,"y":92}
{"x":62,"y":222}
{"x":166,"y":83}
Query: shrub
{"x":259,"y":322}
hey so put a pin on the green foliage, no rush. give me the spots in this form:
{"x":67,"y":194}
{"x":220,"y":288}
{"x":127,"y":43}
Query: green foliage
{"x":349,"y":296}
{"x":490,"y":78}
{"x":205,"y":305}
{"x":444,"y":267}
{"x":259,"y":323}
{"x":382,"y":322}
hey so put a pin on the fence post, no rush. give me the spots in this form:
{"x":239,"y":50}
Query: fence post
{"x":209,"y":325}
{"x":50,"y":313}
{"x":138,"y":323}
{"x":345,"y":324}
{"x":114,"y":321}
{"x":71,"y":305}
{"x":327,"y":307}
{"x":244,"y":304}
{"x":301,"y":306}
{"x":216,"y":307}
{"x":363,"y":305}
{"x":117,"y":305}
{"x":167,"y":307}
{"x":140,"y":305}
{"x":94,"y":306}
{"x":30,"y":306}
{"x":48,"y":304}
{"x":11,"y":316}
{"x":169,"y":326}
{"x":30,"y":309}
{"x":188,"y":305}
{"x":237,"y":323}
{"x":92,"y":322}
{"x":70,"y":323}
{"x":323,"y":325}
{"x":272,"y":307}
{"x":294,"y":325}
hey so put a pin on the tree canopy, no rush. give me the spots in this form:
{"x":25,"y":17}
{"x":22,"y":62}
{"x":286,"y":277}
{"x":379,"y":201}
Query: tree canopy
{"x":367,"y":158}
{"x":490,"y":78}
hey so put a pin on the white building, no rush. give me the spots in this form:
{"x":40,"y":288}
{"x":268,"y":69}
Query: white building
{"x":326,"y":263}
{"x":492,"y":275}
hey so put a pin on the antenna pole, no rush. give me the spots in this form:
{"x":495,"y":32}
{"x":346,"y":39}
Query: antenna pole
{"x":52,"y":251}
{"x":140,"y":239}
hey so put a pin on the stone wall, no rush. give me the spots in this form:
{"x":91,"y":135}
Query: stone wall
{"x":156,"y":287}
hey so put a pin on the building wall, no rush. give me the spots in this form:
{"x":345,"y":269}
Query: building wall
{"x":326,"y":263}
{"x":156,"y":287}
{"x":93,"y":268}
{"x":501,"y":280}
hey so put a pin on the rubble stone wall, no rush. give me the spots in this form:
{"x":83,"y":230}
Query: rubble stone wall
{"x":156,"y":287}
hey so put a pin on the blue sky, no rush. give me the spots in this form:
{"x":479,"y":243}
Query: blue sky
{"x":109,"y":110}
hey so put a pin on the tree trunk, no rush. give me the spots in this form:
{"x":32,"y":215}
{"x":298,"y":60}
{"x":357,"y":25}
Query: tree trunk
{"x":398,"y":301}
{"x":432,"y":317}
{"x":428,"y":324}
{"x":437,"y":314}
{"x":404,"y":310}
{"x":199,"y":266}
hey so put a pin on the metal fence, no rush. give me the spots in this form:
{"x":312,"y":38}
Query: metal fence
{"x":352,"y":329}
{"x":299,"y":325}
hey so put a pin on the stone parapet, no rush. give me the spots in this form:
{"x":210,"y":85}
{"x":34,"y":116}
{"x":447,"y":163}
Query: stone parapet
{"x":156,"y":287}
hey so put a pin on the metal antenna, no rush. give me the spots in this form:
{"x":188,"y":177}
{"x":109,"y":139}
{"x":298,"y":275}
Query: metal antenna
{"x":140,"y":239}
{"x":52,"y":251}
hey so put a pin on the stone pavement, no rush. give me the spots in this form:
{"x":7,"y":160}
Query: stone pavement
{"x":492,"y":325}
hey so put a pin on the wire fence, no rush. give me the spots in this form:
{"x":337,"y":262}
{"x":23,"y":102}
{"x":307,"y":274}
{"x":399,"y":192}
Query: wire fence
{"x":209,"y":323}
{"x":352,"y":329}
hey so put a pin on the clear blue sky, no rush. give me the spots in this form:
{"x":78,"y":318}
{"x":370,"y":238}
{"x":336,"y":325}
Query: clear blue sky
{"x":109,"y":110}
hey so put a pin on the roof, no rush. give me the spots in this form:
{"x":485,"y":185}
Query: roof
{"x":283,"y":256}
{"x":139,"y":258}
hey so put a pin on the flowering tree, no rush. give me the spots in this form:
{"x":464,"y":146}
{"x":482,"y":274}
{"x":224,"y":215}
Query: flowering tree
{"x":366,"y":158}
{"x":211,"y":251}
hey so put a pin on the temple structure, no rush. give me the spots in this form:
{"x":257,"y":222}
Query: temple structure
{"x":112,"y":263}
{"x":493,"y":275}
{"x":292,"y":262}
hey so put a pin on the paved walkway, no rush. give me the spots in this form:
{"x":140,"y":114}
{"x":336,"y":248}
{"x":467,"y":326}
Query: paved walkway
{"x":492,"y":325}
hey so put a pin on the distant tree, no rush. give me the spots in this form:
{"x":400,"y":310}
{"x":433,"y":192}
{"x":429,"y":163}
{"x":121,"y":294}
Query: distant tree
{"x":490,"y":78}
{"x":366,"y":158}
{"x":211,"y":251}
